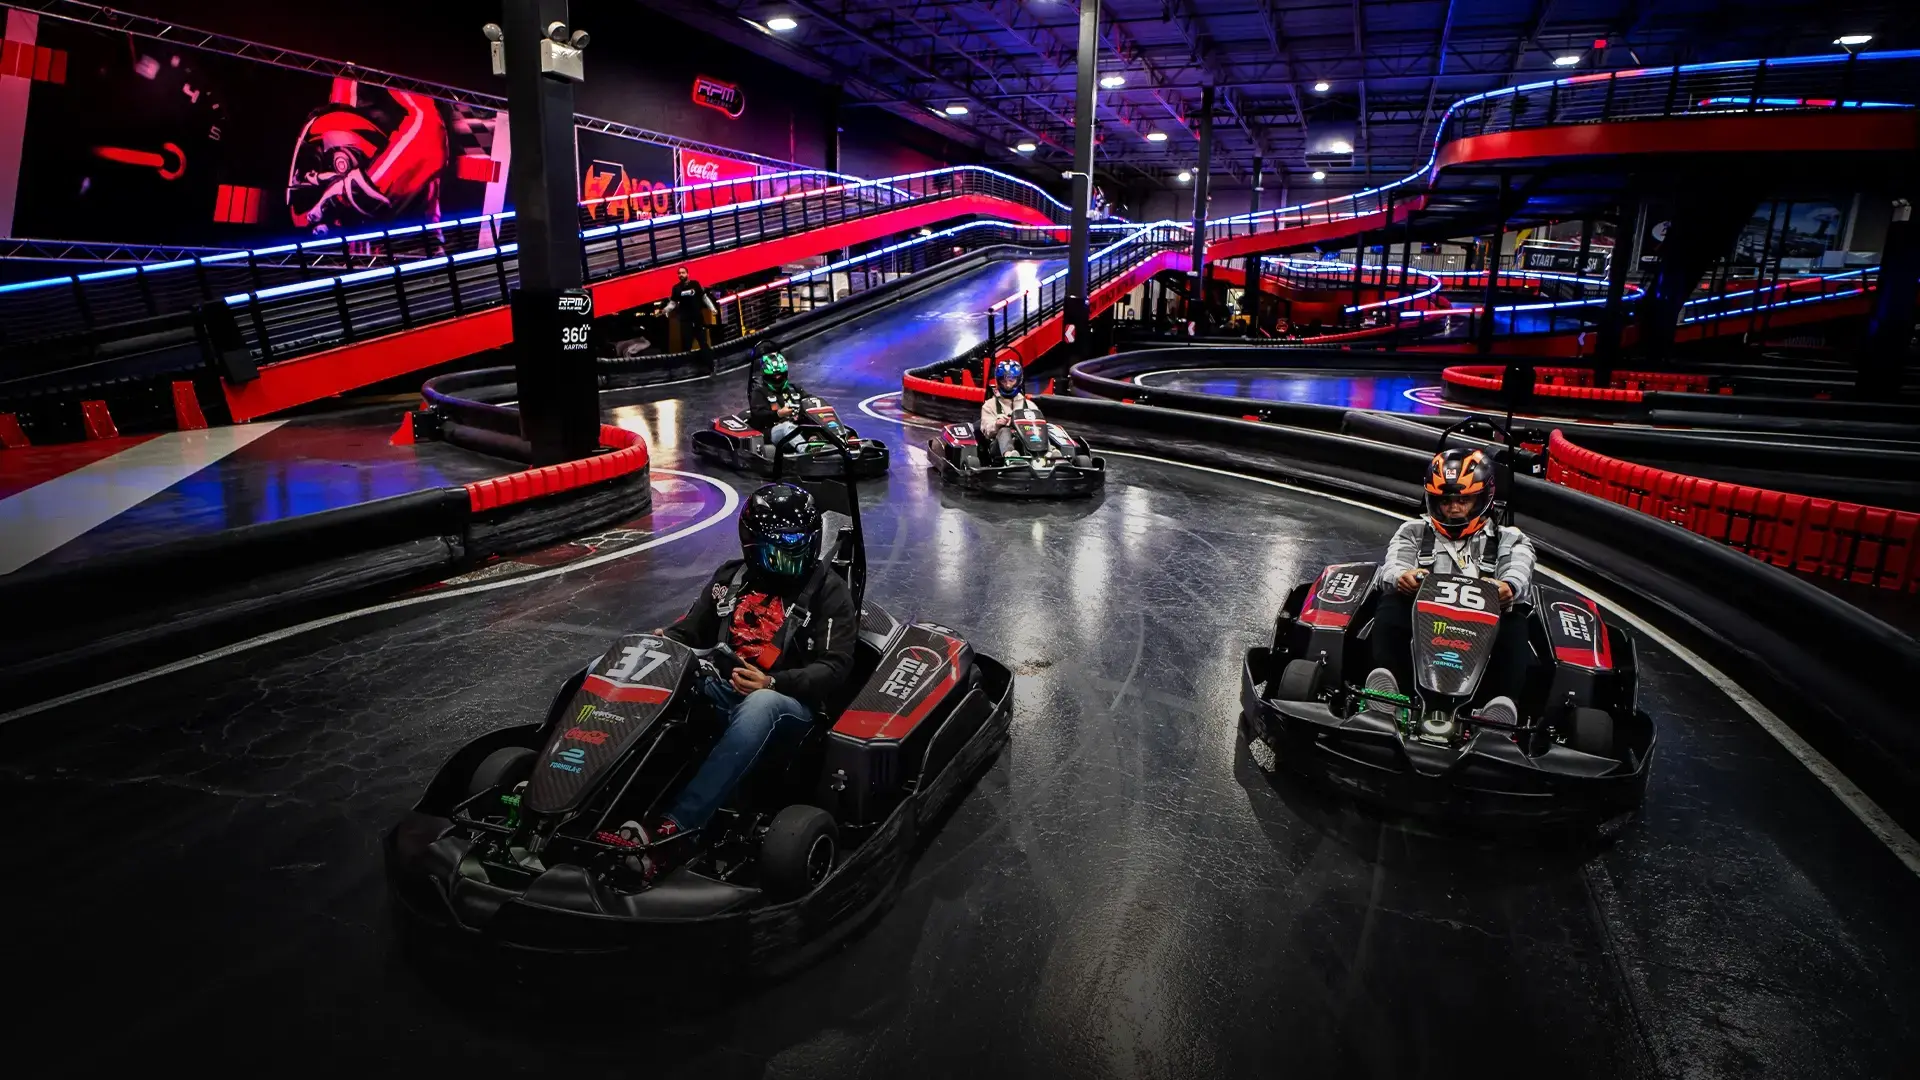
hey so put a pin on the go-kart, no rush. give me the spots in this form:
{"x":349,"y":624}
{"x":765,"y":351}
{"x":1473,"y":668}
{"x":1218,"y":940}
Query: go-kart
{"x":1575,"y":750}
{"x":735,"y":442}
{"x":1046,"y":461}
{"x":518,"y":841}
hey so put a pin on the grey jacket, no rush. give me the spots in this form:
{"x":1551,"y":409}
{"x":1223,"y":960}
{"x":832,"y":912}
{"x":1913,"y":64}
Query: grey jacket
{"x":1513,"y":558}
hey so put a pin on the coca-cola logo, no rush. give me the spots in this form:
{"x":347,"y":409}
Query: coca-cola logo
{"x":724,"y":96}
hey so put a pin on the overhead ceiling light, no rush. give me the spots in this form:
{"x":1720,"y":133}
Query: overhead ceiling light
{"x":1318,"y":175}
{"x":1156,"y":136}
{"x":1113,"y":82}
{"x":781,"y":23}
{"x":956,"y":109}
{"x":1184,"y":176}
{"x":1340,"y":146}
{"x":1322,"y":86}
{"x":1025,"y":147}
{"x":1853,"y":39}
{"x":1566,"y":61}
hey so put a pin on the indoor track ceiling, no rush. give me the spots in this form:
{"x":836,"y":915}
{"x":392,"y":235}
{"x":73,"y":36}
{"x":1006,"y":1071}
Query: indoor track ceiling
{"x":1390,"y":67}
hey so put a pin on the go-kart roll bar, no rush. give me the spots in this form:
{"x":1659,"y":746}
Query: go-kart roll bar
{"x":838,"y":442}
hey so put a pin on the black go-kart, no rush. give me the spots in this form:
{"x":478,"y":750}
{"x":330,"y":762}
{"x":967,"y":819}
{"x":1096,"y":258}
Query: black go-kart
{"x":517,"y":842}
{"x":813,"y":451}
{"x":1047,"y":461}
{"x":1575,"y":751}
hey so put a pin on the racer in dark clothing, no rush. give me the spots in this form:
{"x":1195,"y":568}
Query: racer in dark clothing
{"x":689,"y":301}
{"x":791,"y":622}
{"x":1456,"y":536}
{"x":773,"y":401}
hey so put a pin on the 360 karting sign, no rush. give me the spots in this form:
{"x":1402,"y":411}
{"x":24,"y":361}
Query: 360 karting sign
{"x":714,"y":94}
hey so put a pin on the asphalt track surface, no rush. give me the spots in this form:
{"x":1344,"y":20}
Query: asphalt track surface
{"x":1382,"y":391}
{"x":1124,"y":892}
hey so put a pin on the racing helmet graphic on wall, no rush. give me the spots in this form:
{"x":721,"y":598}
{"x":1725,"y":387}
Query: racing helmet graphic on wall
{"x":353,"y":166}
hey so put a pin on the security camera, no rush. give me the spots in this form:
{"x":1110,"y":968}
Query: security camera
{"x":580,"y":39}
{"x":557,"y":31}
{"x":493,"y":32}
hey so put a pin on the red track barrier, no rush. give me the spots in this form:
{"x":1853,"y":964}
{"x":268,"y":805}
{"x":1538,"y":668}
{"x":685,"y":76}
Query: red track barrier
{"x":1570,"y":382}
{"x":629,"y":455}
{"x":1870,"y":545}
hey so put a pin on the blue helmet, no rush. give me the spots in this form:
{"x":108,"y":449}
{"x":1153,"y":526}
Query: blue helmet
{"x":1006,"y":377}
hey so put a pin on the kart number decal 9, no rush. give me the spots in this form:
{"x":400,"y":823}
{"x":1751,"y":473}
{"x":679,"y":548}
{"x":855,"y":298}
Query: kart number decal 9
{"x":1464,"y":594}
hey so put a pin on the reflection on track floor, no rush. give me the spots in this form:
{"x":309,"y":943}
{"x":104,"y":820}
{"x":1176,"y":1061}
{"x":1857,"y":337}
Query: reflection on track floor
{"x":1124,"y":892}
{"x":1382,"y":390}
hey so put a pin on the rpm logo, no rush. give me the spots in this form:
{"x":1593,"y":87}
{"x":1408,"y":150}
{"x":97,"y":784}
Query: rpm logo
{"x":1574,"y":621}
{"x":910,"y":672}
{"x":714,"y":94}
{"x":576,"y":303}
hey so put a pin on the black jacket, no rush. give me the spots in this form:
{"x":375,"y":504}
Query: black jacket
{"x":818,"y":656}
{"x":762,"y":400}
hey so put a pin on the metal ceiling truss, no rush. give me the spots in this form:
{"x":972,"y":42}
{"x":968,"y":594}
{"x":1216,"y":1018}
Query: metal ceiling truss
{"x":1393,"y":66}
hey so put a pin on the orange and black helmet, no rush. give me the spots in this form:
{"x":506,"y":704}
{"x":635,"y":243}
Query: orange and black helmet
{"x":1460,"y":474}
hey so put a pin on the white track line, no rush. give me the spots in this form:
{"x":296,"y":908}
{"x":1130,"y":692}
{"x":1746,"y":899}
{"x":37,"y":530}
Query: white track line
{"x":1858,"y":802}
{"x":731,"y":502}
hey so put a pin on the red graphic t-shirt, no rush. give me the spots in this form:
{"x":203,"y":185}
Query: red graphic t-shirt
{"x":756,"y":619}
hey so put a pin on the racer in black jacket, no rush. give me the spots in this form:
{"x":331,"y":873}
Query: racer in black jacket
{"x":773,"y":401}
{"x":791,"y":622}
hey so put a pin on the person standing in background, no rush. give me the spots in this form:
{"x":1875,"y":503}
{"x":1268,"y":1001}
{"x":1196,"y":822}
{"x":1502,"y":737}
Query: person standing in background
{"x":691,"y":302}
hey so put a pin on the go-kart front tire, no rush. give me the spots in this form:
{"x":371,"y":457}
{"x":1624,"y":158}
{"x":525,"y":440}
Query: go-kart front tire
{"x":504,"y":767}
{"x":1593,"y":732}
{"x":1299,"y":681}
{"x":798,"y":851}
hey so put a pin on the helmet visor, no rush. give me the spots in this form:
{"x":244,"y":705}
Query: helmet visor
{"x":783,"y":553}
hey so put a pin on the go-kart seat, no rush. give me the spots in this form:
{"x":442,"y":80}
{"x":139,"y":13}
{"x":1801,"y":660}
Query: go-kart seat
{"x":834,"y":527}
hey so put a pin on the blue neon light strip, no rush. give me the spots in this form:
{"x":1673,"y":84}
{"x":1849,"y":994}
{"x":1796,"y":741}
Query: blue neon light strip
{"x":1433,"y":156}
{"x":1115,"y":246}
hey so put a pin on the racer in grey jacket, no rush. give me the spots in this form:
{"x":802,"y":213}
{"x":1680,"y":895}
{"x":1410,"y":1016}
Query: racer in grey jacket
{"x":1457,"y":535}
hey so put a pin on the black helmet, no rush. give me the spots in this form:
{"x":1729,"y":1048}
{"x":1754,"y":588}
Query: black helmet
{"x":1456,"y":474}
{"x":780,"y":530}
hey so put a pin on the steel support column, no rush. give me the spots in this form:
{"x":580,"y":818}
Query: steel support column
{"x":559,"y":394}
{"x":1202,"y":171}
{"x":1087,"y":72}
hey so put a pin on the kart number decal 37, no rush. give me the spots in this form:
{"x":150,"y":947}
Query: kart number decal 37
{"x":625,"y":691}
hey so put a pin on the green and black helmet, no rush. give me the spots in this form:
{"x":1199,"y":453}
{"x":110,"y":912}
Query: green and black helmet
{"x":773,"y":368}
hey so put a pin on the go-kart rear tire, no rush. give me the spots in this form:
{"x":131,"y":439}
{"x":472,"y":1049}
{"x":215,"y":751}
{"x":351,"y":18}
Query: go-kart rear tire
{"x":1083,"y":461}
{"x":1299,"y":681}
{"x":504,"y":767}
{"x":798,"y":851}
{"x":1593,"y":732}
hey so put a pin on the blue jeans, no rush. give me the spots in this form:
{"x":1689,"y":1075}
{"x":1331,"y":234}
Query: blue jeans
{"x":780,"y":431}
{"x":753,"y":722}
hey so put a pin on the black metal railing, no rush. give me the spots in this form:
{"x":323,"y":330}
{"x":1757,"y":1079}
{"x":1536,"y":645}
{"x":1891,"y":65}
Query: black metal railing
{"x":689,"y":216}
{"x":1836,"y":83}
{"x":1023,"y":312}
{"x":279,"y":323}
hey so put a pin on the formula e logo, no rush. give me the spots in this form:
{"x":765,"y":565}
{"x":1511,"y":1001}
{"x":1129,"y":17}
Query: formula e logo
{"x":588,"y":736}
{"x":1574,"y":622}
{"x":907,"y":676}
{"x":1340,"y":587}
{"x":1448,"y":659}
{"x":573,"y":760}
{"x":714,"y":94}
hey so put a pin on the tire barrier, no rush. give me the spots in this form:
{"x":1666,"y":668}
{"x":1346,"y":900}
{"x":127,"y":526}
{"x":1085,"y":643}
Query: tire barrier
{"x":1867,"y":545}
{"x":1577,"y":383}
